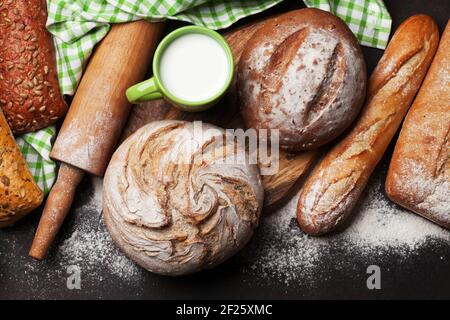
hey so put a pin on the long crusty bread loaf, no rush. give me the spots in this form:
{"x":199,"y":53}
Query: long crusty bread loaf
{"x":419,"y":173}
{"x":19,"y":194}
{"x":331,"y":192}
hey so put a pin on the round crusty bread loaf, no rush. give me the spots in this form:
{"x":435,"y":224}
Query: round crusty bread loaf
{"x":173,"y":205}
{"x":302,"y":73}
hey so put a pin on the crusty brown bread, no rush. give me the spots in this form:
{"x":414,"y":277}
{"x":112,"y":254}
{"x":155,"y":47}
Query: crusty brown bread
{"x":302,"y":73}
{"x":19,"y":194}
{"x":29,"y":90}
{"x":419,"y":173}
{"x":175,"y":203}
{"x":333,"y":189}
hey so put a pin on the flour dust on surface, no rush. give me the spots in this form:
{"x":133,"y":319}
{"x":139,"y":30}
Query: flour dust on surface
{"x":279,"y":251}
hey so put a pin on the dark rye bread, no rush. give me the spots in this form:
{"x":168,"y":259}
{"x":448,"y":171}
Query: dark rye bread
{"x":303,"y":73}
{"x":29,"y":90}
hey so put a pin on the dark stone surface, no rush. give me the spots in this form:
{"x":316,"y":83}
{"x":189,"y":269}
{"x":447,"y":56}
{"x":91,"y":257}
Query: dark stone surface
{"x":423,"y":273}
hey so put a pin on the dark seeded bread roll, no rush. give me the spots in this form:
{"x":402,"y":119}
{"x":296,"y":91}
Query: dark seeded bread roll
{"x":303,"y":73}
{"x":419,"y":173}
{"x":29,"y":90}
{"x":331,"y":192}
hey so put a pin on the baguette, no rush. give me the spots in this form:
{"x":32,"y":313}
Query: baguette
{"x":19,"y":194}
{"x":29,"y":91}
{"x":334,"y":187}
{"x":419,"y":174}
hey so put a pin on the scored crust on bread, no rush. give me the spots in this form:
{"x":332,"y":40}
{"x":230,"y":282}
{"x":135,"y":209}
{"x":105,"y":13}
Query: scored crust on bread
{"x":331,"y":192}
{"x":419,"y":173}
{"x":302,"y":73}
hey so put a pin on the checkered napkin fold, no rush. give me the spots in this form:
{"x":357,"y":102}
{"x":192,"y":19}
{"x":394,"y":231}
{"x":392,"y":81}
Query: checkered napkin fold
{"x":78,"y":25}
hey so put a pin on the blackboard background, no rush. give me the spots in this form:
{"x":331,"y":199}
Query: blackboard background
{"x":426,"y":275}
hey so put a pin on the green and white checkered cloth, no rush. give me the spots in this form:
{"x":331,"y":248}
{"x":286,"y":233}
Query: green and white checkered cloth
{"x":368,"y":19}
{"x":78,"y":25}
{"x":36,"y":149}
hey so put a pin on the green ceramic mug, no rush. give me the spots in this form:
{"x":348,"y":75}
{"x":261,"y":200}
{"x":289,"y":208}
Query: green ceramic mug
{"x":155,"y":88}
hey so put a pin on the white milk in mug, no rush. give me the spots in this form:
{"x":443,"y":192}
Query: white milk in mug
{"x":194,"y":67}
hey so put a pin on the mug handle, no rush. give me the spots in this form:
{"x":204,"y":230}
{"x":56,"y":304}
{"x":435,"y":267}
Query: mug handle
{"x":144,"y":91}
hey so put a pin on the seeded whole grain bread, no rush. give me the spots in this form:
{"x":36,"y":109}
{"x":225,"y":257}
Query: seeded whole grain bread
{"x":419,"y":174}
{"x":29,"y":91}
{"x":179,"y":198}
{"x":304,"y":74}
{"x":331,"y":192}
{"x":19,"y":193}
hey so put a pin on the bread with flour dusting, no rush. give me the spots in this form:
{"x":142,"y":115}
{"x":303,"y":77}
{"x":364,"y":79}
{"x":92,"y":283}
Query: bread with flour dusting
{"x":302,"y":73}
{"x":419,"y":173}
{"x":173,"y":204}
{"x":332,"y":190}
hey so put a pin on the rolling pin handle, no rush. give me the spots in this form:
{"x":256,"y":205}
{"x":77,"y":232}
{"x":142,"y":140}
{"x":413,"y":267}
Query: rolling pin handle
{"x":56,"y":208}
{"x":99,"y":104}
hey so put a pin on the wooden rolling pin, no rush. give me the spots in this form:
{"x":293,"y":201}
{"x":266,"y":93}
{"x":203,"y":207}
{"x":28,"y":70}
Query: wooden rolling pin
{"x":95,"y":119}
